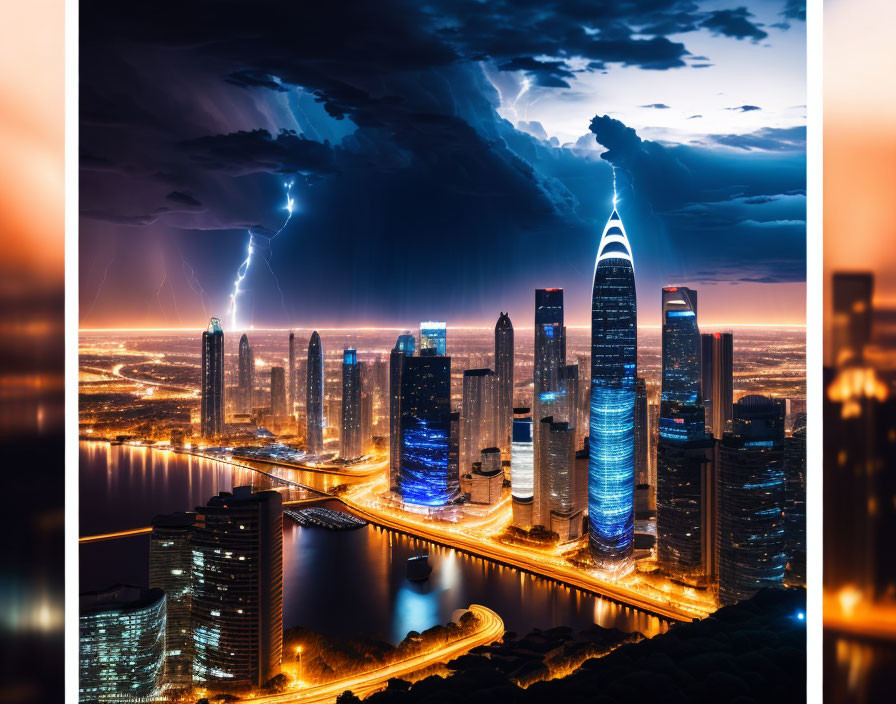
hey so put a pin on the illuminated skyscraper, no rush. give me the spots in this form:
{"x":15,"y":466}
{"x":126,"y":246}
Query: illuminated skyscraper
{"x":121,"y":633}
{"x":211,"y":412}
{"x":245,"y":375}
{"x":237,"y":585}
{"x":478,"y":416}
{"x":351,"y":405}
{"x":291,"y":388}
{"x":170,"y":568}
{"x":433,"y":336}
{"x":642,"y":473}
{"x":550,"y":344}
{"x":614,"y":347}
{"x":426,"y":478}
{"x":278,"y":393}
{"x":718,"y":381}
{"x":504,"y":382}
{"x":404,"y":347}
{"x":314,"y":397}
{"x":522,"y":468}
{"x":686,"y":477}
{"x":752,"y":547}
{"x":557,"y":509}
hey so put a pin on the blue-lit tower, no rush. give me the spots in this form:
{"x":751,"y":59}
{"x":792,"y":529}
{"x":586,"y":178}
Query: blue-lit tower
{"x":614,"y":350}
{"x":351,"y":446}
{"x":681,"y":407}
{"x":425,"y":472}
{"x":404,"y":347}
{"x":211,"y":410}
{"x":433,"y":336}
{"x":314,"y":397}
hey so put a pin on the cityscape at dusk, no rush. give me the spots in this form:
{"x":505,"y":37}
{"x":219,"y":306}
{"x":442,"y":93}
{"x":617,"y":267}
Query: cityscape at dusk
{"x":444,"y":350}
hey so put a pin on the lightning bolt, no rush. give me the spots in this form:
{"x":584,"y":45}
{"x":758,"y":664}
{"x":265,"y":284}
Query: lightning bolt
{"x":615,"y":197}
{"x":243,"y":269}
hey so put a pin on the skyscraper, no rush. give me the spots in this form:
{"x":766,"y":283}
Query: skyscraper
{"x":237,"y":585}
{"x":314,"y":397}
{"x":795,"y":503}
{"x":522,"y":468}
{"x":170,"y":562}
{"x":550,"y":344}
{"x":433,"y":336}
{"x":211,"y":412}
{"x":718,"y":380}
{"x":642,"y":470}
{"x":404,"y":347}
{"x":851,"y":318}
{"x":614,"y":348}
{"x":504,"y":382}
{"x":686,"y":479}
{"x":425,"y":424}
{"x":351,"y":405}
{"x":478,"y":416}
{"x":245,"y":375}
{"x":121,"y":633}
{"x":291,"y":388}
{"x":752,"y":548}
{"x":278,"y":393}
{"x":559,"y":510}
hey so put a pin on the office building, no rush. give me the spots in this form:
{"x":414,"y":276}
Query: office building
{"x":291,"y":380}
{"x":170,"y":569}
{"x":504,"y":359}
{"x":751,"y":540}
{"x":237,"y":585}
{"x":314,"y":397}
{"x":425,"y":478}
{"x":478,"y":417}
{"x":351,"y":405}
{"x":404,"y":347}
{"x":245,"y":376}
{"x":550,"y":347}
{"x":614,"y":345}
{"x":718,"y":381}
{"x":278,"y":393}
{"x":642,"y":440}
{"x":851,"y":317}
{"x":557,"y":510}
{"x":121,"y":645}
{"x":522,"y":469}
{"x":681,"y":407}
{"x":211,"y":412}
{"x":487,"y":477}
{"x":433,"y":336}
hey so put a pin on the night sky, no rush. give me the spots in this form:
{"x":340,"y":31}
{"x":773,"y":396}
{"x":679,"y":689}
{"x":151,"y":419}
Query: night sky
{"x":446,"y":158}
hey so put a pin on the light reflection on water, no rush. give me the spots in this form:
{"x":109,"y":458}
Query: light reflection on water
{"x":337,"y":583}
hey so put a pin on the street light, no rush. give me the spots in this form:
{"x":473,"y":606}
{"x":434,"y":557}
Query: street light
{"x":299,"y":656}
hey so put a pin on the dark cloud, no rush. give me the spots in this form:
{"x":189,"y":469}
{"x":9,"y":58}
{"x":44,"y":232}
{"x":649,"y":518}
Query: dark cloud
{"x":549,"y":74}
{"x":795,"y":10}
{"x":779,"y":139}
{"x":702,"y":65}
{"x":745,"y":108}
{"x":734,"y":23}
{"x":658,"y":106}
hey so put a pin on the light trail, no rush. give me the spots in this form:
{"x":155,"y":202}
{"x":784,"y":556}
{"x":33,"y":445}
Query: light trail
{"x":112,"y":536}
{"x":243,"y":269}
{"x":491,"y":628}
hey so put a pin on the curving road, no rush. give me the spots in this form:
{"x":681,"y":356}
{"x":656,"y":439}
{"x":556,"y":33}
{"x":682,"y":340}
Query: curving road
{"x":491,"y":628}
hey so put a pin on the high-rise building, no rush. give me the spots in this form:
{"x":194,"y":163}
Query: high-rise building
{"x":367,"y":417}
{"x":642,"y":443}
{"x":245,"y":375}
{"x":314,"y":397}
{"x":237,"y":585}
{"x":752,"y":548}
{"x":211,"y":413}
{"x":291,"y":387}
{"x":522,"y":468}
{"x":351,"y":405}
{"x":487,"y":477}
{"x":569,"y":383}
{"x":614,"y":349}
{"x":504,"y":382}
{"x":170,"y":569}
{"x":550,"y":346}
{"x":795,"y":503}
{"x":278,"y":393}
{"x":433,"y":336}
{"x":558,"y":511}
{"x":121,"y":634}
{"x":425,"y":424}
{"x":686,"y":476}
{"x":851,"y":318}
{"x":478,"y":416}
{"x":717,"y":380}
{"x":404,"y":347}
{"x":553,"y":406}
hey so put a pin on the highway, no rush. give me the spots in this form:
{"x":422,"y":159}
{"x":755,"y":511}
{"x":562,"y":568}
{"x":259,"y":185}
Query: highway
{"x":364,"y":469}
{"x":491,"y":628}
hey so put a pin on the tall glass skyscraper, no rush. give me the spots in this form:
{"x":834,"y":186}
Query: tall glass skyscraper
{"x":614,"y":349}
{"x":642,"y":444}
{"x":681,"y":408}
{"x":314,"y":397}
{"x":351,"y":405}
{"x":504,"y":382}
{"x":278,"y":393}
{"x":211,"y":413}
{"x":522,"y":462}
{"x":752,"y":491}
{"x":718,"y":381}
{"x":245,"y":375}
{"x":433,"y":336}
{"x":478,"y":420}
{"x":404,"y":347}
{"x":425,"y":472}
{"x":291,"y":376}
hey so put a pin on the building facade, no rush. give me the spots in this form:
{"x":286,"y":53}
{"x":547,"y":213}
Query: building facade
{"x":245,"y":375}
{"x":434,"y":336}
{"x":478,"y":416}
{"x":404,"y":347}
{"x":504,"y":359}
{"x":642,"y":439}
{"x":351,"y":405}
{"x":211,"y":412}
{"x":314,"y":397}
{"x":291,"y":383}
{"x":522,"y":468}
{"x":278,"y":393}
{"x":717,"y":381}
